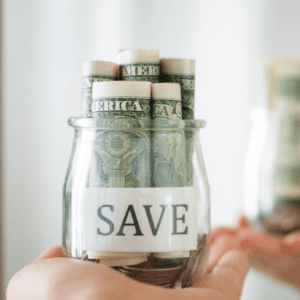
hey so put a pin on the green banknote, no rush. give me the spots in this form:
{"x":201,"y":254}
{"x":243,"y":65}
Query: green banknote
{"x":87,"y":89}
{"x":139,"y":72}
{"x":163,"y":109}
{"x":187,"y":83}
{"x":127,"y":107}
{"x":168,"y":146}
{"x":121,"y":151}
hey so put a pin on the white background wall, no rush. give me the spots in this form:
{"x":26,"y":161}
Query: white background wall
{"x":45,"y":43}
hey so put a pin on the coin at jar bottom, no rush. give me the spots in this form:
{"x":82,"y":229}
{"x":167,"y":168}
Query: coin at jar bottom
{"x":154,"y":273}
{"x":196,"y":266}
{"x":181,"y":272}
{"x":172,"y":272}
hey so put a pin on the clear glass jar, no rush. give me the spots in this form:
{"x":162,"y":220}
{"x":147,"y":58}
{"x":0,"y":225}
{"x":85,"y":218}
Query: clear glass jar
{"x":128,"y":205}
{"x":279,"y":192}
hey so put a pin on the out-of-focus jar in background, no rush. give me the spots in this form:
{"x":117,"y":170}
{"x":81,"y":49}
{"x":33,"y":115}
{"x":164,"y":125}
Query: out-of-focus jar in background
{"x":274,"y":153}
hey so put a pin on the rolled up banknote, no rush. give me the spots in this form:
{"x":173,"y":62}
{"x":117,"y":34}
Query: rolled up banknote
{"x":168,"y":149}
{"x":168,"y":146}
{"x":138,"y":65}
{"x":123,"y":156}
{"x":121,"y":152}
{"x":182,"y":71}
{"x":95,"y":71}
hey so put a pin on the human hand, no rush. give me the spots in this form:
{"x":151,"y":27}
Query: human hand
{"x":278,"y":257}
{"x":54,"y":276}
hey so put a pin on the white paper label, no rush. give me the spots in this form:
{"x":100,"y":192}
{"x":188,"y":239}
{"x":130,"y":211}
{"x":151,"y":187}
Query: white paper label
{"x":139,"y":219}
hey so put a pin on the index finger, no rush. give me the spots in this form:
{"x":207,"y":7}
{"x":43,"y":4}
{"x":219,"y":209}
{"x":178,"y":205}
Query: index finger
{"x":267,"y":243}
{"x":222,"y":245}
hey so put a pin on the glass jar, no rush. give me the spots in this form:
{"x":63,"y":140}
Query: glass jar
{"x":127,"y":203}
{"x":279,"y":192}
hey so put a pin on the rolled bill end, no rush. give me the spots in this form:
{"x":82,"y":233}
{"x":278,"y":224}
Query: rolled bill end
{"x":115,"y":89}
{"x":177,"y":66}
{"x":100,"y":68}
{"x":167,"y":91}
{"x":137,"y":56}
{"x":117,"y":259}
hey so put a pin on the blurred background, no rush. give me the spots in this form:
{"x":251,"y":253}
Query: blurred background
{"x":43,"y":46}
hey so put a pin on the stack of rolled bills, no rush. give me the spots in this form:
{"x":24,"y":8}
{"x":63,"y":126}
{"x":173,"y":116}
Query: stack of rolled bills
{"x":142,"y":87}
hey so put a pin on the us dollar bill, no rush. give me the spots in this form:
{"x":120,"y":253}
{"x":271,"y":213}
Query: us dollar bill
{"x":139,"y":72}
{"x":111,"y":108}
{"x":187,"y":83}
{"x":166,"y":109}
{"x":87,"y":89}
{"x":121,"y":157}
{"x":120,"y":148}
{"x":168,"y":159}
{"x":168,"y":146}
{"x":139,"y":65}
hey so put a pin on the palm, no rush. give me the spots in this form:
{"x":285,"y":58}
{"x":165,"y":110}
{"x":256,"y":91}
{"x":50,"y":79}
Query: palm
{"x":54,"y":276}
{"x":276,"y":256}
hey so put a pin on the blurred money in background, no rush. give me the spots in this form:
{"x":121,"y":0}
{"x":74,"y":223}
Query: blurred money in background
{"x":280,"y":168}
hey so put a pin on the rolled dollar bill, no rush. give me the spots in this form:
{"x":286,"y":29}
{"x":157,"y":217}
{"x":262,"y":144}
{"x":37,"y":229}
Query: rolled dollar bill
{"x":138,"y":65}
{"x":95,"y":71}
{"x":121,"y":100}
{"x":166,"y":101}
{"x":168,"y":146}
{"x":123,"y":156}
{"x":168,"y":149}
{"x":121,"y":151}
{"x":182,"y":71}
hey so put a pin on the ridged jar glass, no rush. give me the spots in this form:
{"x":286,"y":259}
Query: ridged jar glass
{"x":136,"y":198}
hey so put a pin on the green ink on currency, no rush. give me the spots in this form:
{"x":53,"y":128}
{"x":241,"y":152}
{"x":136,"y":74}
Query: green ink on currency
{"x":87,"y":89}
{"x":166,"y":109}
{"x":136,"y":108}
{"x":168,"y":146}
{"x":139,"y":72}
{"x":187,"y":83}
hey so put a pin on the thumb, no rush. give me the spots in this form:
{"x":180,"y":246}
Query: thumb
{"x":228,"y":275}
{"x":54,"y":251}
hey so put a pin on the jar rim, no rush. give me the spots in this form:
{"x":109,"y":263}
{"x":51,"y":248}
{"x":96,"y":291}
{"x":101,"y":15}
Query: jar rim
{"x":154,"y":124}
